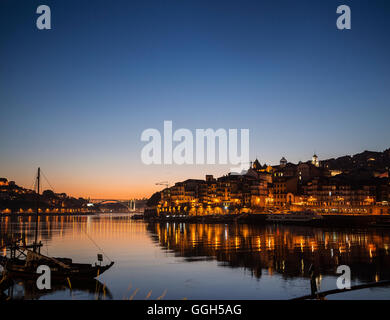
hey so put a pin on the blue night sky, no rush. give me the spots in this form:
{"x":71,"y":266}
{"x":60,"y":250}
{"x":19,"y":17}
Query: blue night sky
{"x":75,"y":99}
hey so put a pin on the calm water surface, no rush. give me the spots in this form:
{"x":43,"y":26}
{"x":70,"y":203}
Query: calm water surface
{"x":205,"y":261}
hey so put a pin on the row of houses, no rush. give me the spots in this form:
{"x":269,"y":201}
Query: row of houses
{"x":286,"y":186}
{"x":16,"y":199}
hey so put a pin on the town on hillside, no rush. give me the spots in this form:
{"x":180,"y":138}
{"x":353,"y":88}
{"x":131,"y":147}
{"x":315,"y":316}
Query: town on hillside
{"x":356,"y":184}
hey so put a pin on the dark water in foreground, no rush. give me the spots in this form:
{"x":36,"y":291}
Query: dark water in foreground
{"x":200,"y":261}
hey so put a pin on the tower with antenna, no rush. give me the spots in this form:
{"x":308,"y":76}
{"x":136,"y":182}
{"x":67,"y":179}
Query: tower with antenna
{"x":315,"y":161}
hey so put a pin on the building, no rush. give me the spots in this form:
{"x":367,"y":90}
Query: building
{"x":284,"y":190}
{"x":343,"y":185}
{"x":283,"y":162}
{"x":315,"y":161}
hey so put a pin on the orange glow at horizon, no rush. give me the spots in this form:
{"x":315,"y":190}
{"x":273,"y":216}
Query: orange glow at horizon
{"x":101,"y":183}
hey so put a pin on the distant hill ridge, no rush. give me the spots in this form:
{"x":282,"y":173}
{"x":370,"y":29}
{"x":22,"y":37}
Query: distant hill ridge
{"x":370,"y":159}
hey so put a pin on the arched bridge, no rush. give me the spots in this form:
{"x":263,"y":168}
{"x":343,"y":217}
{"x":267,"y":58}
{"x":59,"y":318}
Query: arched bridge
{"x":129,"y":204}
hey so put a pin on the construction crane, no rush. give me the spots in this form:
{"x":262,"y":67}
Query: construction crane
{"x":241,"y":164}
{"x":163,"y":183}
{"x":250,"y":163}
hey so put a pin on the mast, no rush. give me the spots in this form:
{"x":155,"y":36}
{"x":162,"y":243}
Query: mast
{"x":37,"y":215}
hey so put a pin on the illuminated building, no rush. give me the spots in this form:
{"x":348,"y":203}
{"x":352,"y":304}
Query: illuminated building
{"x":315,"y":161}
{"x":330,"y":186}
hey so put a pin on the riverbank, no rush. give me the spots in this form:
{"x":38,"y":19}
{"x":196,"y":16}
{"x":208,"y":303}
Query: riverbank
{"x":50,"y":214}
{"x":326,"y":221}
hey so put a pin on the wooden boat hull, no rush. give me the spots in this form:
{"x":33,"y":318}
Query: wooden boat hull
{"x":17,"y":269}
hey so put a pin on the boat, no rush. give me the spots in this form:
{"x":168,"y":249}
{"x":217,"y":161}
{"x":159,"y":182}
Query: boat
{"x":304,"y":216}
{"x":317,"y":295}
{"x":137,"y":217}
{"x":24,"y":263}
{"x":23,"y":260}
{"x":381,"y":223}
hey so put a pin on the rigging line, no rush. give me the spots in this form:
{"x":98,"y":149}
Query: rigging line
{"x":96,"y":244}
{"x":47,"y":180}
{"x":33,"y":184}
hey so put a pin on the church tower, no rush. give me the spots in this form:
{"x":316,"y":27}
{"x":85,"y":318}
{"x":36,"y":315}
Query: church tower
{"x":283,"y":162}
{"x":256,"y":165}
{"x":315,"y":160}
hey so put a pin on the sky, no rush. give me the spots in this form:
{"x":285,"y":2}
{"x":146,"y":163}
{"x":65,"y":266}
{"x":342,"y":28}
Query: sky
{"x":75,"y":99}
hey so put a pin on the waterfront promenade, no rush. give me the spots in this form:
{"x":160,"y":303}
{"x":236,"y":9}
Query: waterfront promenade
{"x":331,"y":220}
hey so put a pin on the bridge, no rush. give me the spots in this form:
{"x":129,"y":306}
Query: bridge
{"x":131,"y":204}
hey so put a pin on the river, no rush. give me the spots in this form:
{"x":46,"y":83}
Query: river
{"x":204,"y":261}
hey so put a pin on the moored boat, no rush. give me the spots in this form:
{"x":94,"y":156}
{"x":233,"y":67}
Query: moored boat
{"x":380,"y":223}
{"x":304,"y":216}
{"x":22,"y":260}
{"x":23,"y":263}
{"x":137,"y":217}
